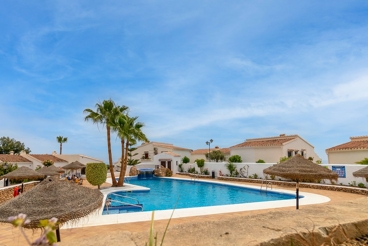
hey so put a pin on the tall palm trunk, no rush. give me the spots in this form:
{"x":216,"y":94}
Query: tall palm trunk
{"x":122,"y":161}
{"x":110,"y":156}
{"x":123,"y":171}
{"x":61,"y":148}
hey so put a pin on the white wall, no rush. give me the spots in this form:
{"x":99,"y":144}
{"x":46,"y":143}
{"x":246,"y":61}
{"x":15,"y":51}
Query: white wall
{"x":349,"y":156}
{"x":257,"y":168}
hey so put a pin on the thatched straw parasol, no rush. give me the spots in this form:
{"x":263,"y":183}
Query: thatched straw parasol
{"x":56,"y":169}
{"x":23,"y":173}
{"x":48,"y":171}
{"x":298,"y":168}
{"x":63,"y":200}
{"x":361,"y":173}
{"x":74,"y":165}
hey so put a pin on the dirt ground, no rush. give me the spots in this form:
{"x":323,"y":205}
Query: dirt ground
{"x":261,"y":227}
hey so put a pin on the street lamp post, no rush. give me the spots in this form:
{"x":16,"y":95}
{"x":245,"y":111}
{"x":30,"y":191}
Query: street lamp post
{"x":209,"y":148}
{"x":5,"y":166}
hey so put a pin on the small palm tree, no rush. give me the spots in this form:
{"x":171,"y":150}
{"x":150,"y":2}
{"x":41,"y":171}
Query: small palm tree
{"x":129,"y":131}
{"x":61,"y":140}
{"x":106,"y":114}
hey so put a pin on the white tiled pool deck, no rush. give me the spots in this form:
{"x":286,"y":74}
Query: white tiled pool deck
{"x":97,"y":219}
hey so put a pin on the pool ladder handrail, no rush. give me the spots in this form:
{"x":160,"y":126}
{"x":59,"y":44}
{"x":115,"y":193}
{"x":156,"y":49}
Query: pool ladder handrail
{"x":126,"y":203}
{"x":194,"y":176}
{"x":266,"y":183}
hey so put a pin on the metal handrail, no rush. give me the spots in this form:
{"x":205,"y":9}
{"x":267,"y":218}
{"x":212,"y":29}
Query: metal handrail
{"x":127,"y":197}
{"x":134,"y":205}
{"x":266,"y":183}
{"x":194,"y":176}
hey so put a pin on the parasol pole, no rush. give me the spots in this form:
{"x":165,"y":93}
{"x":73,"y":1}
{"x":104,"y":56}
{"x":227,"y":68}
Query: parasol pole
{"x":297,"y":194}
{"x":58,"y":234}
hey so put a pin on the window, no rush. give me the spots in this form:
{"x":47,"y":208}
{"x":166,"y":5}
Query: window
{"x":290,"y":153}
{"x":146,"y":155}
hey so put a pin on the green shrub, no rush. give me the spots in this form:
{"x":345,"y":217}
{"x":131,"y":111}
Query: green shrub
{"x":191,"y":170}
{"x":363,"y":162}
{"x":200,"y":164}
{"x":231,"y":167}
{"x":96,"y":173}
{"x":206,"y":172}
{"x":235,"y":159}
{"x":181,"y":168}
{"x":255,"y":176}
{"x":361,"y":185}
{"x":260,"y":161}
{"x":282,"y":159}
{"x":48,"y":163}
{"x":185,"y":160}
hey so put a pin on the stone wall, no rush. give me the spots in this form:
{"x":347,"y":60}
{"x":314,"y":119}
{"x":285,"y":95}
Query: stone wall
{"x":7,"y":193}
{"x":349,"y":189}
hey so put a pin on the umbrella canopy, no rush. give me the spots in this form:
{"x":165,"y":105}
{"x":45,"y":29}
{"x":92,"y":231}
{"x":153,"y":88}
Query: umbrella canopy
{"x":56,"y":169}
{"x":361,"y":173}
{"x":74,"y":165}
{"x":53,"y":198}
{"x":48,"y":171}
{"x":299,"y":168}
{"x":23,"y":173}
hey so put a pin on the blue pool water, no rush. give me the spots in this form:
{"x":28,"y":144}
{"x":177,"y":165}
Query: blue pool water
{"x":165,"y":193}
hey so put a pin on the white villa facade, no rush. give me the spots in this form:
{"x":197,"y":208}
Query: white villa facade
{"x":271,"y":149}
{"x":350,"y":152}
{"x":147,"y":151}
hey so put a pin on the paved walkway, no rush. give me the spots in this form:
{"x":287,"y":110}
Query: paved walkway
{"x":241,"y":228}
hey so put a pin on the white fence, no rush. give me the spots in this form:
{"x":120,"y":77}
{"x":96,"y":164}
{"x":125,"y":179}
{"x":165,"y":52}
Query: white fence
{"x":345,"y":170}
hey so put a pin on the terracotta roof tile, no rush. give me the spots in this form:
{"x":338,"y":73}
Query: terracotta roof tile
{"x":47,"y":157}
{"x":168,"y":146}
{"x":264,"y":142}
{"x":13,"y":158}
{"x":172,"y":154}
{"x":205,"y":151}
{"x":352,"y":145}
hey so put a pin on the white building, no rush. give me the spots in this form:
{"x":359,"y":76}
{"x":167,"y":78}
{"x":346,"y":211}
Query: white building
{"x":271,"y":149}
{"x":350,"y":152}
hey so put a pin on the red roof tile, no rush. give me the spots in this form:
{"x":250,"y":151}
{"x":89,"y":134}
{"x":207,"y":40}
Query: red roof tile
{"x":205,"y":151}
{"x":13,"y":158}
{"x":264,"y":142}
{"x":352,"y":145}
{"x":48,"y":157}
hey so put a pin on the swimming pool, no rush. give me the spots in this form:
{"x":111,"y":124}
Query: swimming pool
{"x":167,"y":193}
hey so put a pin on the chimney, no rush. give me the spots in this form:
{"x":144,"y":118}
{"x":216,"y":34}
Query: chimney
{"x":11,"y":152}
{"x":217,"y":147}
{"x":282,"y":135}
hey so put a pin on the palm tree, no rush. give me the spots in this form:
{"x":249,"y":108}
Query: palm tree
{"x":61,"y":140}
{"x":128,"y":130}
{"x":105,"y":114}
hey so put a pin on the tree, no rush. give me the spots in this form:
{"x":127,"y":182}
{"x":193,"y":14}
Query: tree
{"x":10,"y":144}
{"x":185,"y":160}
{"x":200,"y":164}
{"x":235,"y":159}
{"x":61,"y":140}
{"x":128,"y":131}
{"x":260,"y":161}
{"x":131,"y":161}
{"x":363,"y":162}
{"x":106,"y":114}
{"x":216,"y":155}
{"x":10,"y":168}
{"x":96,"y":173}
{"x":48,"y":163}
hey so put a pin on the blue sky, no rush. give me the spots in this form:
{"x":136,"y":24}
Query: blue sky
{"x":191,"y":71}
